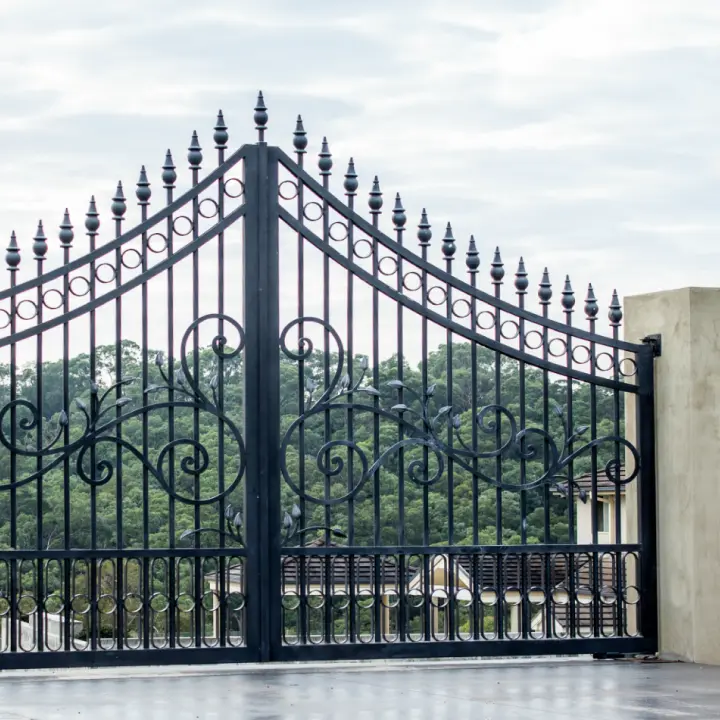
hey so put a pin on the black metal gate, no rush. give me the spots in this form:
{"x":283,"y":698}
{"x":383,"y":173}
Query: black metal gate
{"x":258,"y":427}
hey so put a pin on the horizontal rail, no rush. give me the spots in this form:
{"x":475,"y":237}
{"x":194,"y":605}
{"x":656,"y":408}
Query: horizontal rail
{"x":463,"y":550}
{"x":349,"y":651}
{"x":125,"y":554}
{"x":440,"y":274}
{"x":33,"y":659}
{"x":467,"y":648}
{"x":456,"y":328}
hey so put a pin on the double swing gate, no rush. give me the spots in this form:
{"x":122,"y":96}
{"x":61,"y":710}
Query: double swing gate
{"x":258,"y":425}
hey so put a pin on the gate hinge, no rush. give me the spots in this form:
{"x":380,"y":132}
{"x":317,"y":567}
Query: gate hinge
{"x":655,"y":341}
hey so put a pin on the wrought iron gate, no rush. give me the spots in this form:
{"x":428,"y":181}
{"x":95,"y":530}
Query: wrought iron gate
{"x":257,"y":427}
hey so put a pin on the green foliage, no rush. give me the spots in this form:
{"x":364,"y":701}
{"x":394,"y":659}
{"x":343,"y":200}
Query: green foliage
{"x":133,"y":511}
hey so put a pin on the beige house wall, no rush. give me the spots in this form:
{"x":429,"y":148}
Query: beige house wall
{"x":583,"y":519}
{"x":687,"y":403}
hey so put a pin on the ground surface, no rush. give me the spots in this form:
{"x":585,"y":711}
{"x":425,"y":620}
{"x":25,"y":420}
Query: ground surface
{"x":482,"y":691}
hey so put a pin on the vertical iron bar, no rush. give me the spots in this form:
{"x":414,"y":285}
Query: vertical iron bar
{"x":497,"y":275}
{"x":261,"y":393}
{"x":119,"y":535}
{"x":169,"y":178}
{"x":66,"y":406}
{"x":473,"y":263}
{"x":40,"y":397}
{"x":545,"y":295}
{"x":143,"y":195}
{"x":303,"y":630}
{"x":270,"y":290}
{"x":615,"y":322}
{"x":325,"y":165}
{"x":13,"y":470}
{"x":221,"y":138}
{"x":91,"y":225}
{"x":424,"y":235}
{"x":399,"y":220}
{"x":591,"y":310}
{"x":255,"y":506}
{"x":351,"y":185}
{"x":521,"y":284}
{"x":448,"y":248}
{"x":377,"y":609}
{"x":568,"y":301}
{"x":647,"y":520}
{"x":498,"y":427}
{"x":195,"y":158}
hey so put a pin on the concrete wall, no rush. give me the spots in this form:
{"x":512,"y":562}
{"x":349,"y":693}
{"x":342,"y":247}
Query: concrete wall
{"x":687,"y":402}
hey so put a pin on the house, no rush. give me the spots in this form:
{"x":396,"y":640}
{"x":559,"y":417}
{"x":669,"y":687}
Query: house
{"x":605,"y":513}
{"x":596,"y":611}
{"x":560,"y":594}
{"x":427,"y":582}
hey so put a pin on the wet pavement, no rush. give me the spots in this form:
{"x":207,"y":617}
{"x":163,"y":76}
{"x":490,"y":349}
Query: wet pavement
{"x":455,"y":691}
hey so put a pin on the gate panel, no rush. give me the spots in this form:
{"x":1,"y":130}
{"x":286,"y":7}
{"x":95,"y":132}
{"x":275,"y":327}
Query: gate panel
{"x":261,"y":426}
{"x":123,"y":456}
{"x":456,"y":468}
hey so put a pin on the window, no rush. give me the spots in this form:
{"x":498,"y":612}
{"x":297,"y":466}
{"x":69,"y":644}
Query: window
{"x":602,"y":516}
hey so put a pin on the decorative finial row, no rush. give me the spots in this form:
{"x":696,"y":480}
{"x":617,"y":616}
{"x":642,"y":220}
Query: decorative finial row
{"x":350,"y":184}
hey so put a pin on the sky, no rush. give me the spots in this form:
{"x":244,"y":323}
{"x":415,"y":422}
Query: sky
{"x":584,"y":136}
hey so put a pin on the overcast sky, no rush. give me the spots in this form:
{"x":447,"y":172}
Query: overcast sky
{"x":584,"y":135}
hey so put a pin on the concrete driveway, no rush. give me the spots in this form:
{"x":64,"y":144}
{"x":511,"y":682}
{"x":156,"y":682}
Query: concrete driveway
{"x":481,"y":691}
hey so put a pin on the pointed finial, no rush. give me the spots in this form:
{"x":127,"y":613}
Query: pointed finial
{"x":351,"y":181}
{"x":12,"y":257}
{"x":545,"y":291}
{"x":521,"y":278}
{"x":194,"y":155}
{"x":399,"y":217}
{"x":497,"y":269}
{"x":169,"y":176}
{"x":92,"y":218}
{"x":142,"y":191}
{"x":300,"y":140}
{"x":66,"y":233}
{"x":40,"y":243}
{"x":325,"y":162}
{"x":591,"y":305}
{"x":448,"y":243}
{"x":472,"y":257}
{"x":118,"y":206}
{"x":424,"y":232}
{"x":568,"y":296}
{"x":260,"y":117}
{"x":615,"y":314}
{"x":375,"y":200}
{"x":220,"y":136}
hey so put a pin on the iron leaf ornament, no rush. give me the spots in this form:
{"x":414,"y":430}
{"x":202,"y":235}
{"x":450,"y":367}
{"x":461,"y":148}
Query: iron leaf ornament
{"x":427,"y":427}
{"x":101,"y":420}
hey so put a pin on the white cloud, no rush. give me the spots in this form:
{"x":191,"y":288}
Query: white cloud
{"x":579,"y":134}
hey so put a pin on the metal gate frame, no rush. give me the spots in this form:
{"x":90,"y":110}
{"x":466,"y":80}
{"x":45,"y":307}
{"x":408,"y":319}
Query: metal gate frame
{"x":266,"y":551}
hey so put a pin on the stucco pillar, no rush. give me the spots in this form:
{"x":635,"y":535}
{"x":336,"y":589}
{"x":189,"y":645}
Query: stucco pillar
{"x":687,"y":406}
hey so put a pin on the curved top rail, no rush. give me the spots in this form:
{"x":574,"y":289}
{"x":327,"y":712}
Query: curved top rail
{"x":133,"y":233}
{"x":362,"y":224}
{"x":455,"y":327}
